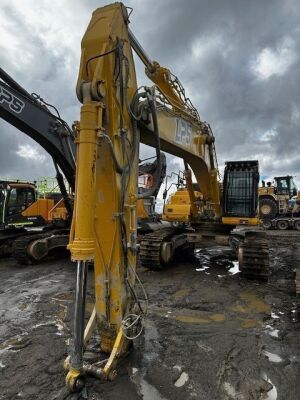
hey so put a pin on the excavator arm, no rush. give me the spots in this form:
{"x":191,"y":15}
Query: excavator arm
{"x":115,"y":116}
{"x":104,"y":218}
{"x":181,"y":131}
{"x":182,"y":139}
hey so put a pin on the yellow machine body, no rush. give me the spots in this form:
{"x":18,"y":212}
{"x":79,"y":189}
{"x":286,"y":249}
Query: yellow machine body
{"x":189,"y":140}
{"x":274,"y":198}
{"x":267,"y":190}
{"x":106,"y":206}
{"x":179,"y":207}
{"x":141,"y":210}
{"x":98,"y":220}
{"x":240,"y":221}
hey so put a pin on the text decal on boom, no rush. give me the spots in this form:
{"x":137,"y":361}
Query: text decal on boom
{"x":183,"y":132}
{"x":14,"y":103}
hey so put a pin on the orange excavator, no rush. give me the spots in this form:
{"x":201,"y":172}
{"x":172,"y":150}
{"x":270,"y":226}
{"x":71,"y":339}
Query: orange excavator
{"x":31,"y":226}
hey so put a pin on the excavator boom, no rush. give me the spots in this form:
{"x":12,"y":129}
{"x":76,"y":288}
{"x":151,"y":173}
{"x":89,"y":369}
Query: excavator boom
{"x":31,"y":116}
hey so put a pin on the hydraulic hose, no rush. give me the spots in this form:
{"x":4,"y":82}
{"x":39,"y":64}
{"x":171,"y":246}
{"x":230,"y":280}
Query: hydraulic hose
{"x":118,"y":167}
{"x":11,"y":82}
{"x":63,"y":190}
{"x":157,"y":173}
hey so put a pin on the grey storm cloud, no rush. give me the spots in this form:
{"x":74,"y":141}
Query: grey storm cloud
{"x":238,"y":60}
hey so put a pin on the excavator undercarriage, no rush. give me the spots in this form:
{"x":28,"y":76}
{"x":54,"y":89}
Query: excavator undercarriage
{"x":32,"y":248}
{"x":239,"y":194}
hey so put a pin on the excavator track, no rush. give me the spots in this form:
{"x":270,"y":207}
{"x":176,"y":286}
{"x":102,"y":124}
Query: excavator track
{"x":253,"y":255}
{"x":20,"y":247}
{"x":150,"y":248}
{"x":298,"y":283}
{"x":297,"y":277}
{"x":6,"y":241}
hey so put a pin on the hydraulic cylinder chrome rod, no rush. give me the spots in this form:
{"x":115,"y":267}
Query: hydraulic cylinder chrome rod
{"x":77,"y":353}
{"x":140,"y":52}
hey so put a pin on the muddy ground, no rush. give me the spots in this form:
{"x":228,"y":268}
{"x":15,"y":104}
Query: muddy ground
{"x":209,"y":334}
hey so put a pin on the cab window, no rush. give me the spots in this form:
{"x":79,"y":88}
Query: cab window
{"x":282,"y":186}
{"x":293,"y":189}
{"x":19,"y":200}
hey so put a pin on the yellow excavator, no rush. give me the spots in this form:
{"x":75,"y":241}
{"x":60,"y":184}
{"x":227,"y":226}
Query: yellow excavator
{"x":116,"y":116}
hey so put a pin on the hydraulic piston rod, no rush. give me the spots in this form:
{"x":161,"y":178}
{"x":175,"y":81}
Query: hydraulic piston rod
{"x":74,"y":364}
{"x":77,"y":353}
{"x":140,"y":52}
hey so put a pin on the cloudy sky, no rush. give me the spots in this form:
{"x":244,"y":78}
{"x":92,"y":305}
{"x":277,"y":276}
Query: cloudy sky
{"x":239,"y":61}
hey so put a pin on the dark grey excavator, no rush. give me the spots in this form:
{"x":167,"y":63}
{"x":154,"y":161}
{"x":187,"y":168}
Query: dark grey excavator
{"x":42,"y":122}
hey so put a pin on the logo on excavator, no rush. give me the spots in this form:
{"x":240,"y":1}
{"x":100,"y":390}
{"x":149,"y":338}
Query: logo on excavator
{"x":183,"y":132}
{"x":13,"y":102}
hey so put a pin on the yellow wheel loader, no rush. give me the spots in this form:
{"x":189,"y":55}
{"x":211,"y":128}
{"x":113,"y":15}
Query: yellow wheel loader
{"x":279,"y":204}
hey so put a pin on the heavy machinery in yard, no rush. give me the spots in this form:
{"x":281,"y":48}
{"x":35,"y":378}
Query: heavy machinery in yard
{"x":239,"y":192}
{"x":115,"y":117}
{"x":279,"y":204}
{"x":21,"y":209}
{"x":32,"y":226}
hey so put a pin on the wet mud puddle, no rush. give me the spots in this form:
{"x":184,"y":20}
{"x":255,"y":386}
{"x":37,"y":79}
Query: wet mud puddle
{"x":217,"y":259}
{"x":240,"y":312}
{"x":150,"y":354}
{"x":209,"y":334}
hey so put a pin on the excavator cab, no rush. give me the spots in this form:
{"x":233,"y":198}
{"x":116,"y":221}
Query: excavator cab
{"x":19,"y":198}
{"x":15,"y":197}
{"x":20,"y":206}
{"x":285,"y":185}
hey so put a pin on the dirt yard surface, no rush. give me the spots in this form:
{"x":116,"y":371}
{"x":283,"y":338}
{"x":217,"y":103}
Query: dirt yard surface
{"x":209,"y":334}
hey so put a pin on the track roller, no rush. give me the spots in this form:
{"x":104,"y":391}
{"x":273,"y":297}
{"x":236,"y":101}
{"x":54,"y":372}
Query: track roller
{"x":158,"y":248}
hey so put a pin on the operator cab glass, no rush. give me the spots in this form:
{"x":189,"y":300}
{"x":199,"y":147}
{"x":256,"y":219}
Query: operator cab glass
{"x":286,"y":186}
{"x":293,"y":188}
{"x":282,"y":186}
{"x":19,"y":198}
{"x":2,"y":205}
